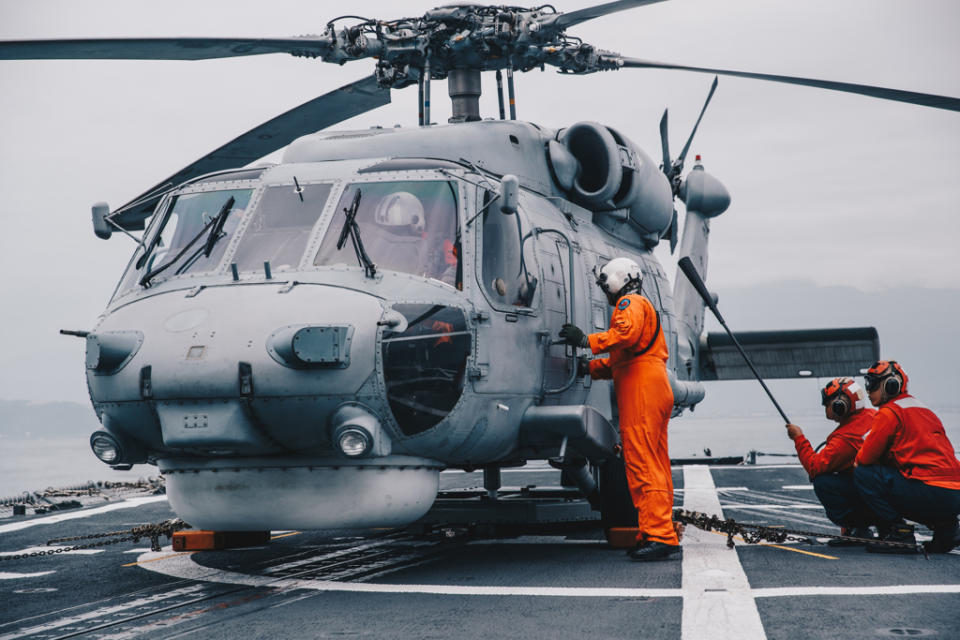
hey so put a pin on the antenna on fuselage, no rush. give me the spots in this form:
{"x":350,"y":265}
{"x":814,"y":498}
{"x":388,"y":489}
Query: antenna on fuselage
{"x":503,"y":116}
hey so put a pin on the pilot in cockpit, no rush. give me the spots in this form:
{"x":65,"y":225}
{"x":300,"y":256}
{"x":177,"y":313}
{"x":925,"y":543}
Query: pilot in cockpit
{"x":414,"y":245}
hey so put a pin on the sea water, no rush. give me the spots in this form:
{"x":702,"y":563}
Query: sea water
{"x":35,"y":463}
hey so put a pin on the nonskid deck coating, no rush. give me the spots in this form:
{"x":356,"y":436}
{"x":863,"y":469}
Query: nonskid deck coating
{"x":523,"y":587}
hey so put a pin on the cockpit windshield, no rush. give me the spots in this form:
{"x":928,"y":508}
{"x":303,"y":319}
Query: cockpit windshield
{"x":408,"y":226}
{"x":280,"y":226}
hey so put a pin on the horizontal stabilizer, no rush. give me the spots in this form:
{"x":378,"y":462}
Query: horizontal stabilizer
{"x":799,"y":353}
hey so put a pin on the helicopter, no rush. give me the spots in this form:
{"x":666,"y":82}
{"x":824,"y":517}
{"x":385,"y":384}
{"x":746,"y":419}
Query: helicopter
{"x":383,"y":321}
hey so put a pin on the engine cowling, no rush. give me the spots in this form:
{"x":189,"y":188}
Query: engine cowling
{"x":603,"y":170}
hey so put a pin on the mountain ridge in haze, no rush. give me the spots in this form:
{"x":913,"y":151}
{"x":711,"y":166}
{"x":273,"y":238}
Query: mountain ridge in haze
{"x":916,"y":327}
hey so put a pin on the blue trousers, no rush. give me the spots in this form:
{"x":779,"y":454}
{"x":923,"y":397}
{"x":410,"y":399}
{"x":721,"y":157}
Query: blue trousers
{"x":892,"y":496}
{"x":840,"y":499}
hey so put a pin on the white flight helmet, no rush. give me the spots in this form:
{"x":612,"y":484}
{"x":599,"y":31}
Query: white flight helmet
{"x":400,"y":209}
{"x":619,"y":277}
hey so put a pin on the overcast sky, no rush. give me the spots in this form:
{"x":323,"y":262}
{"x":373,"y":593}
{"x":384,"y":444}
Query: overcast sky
{"x":827,"y":187}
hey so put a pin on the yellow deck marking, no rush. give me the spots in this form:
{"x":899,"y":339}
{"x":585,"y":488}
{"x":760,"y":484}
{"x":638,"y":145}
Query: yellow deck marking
{"x":172,"y":555}
{"x":807,"y":553}
{"x":777,"y":546}
{"x":285,"y":535}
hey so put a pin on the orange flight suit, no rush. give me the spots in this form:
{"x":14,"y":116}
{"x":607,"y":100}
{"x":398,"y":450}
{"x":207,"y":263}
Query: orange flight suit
{"x":645,"y":401}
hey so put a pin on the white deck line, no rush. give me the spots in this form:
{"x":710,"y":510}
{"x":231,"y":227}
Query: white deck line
{"x":717,"y":600}
{"x":734,"y":505}
{"x":84,"y":513}
{"x":891,"y":590}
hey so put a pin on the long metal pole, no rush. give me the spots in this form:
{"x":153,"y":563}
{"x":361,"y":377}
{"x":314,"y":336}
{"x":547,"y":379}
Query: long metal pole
{"x":503,"y":115}
{"x":511,"y":95}
{"x":691,"y":272}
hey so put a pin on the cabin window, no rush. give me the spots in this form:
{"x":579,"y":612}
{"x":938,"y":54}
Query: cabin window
{"x":184,"y":241}
{"x":506,"y":270}
{"x":280,"y":226}
{"x":404,"y":226}
{"x":424,"y":366}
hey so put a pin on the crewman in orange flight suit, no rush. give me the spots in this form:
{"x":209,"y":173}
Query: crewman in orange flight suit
{"x":907,"y":467}
{"x":831,"y":468}
{"x":637,"y":365}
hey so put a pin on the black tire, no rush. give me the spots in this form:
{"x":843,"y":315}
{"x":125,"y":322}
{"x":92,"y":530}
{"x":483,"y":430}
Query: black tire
{"x":616,"y":504}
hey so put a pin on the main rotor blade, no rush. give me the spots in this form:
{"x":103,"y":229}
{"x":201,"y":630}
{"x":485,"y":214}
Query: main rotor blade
{"x":160,"y":48}
{"x":686,"y":147}
{"x":327,"y":110}
{"x":565,"y":20}
{"x":912,"y":97}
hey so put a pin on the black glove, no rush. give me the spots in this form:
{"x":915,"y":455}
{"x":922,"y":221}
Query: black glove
{"x":573,"y":336}
{"x":583,"y":366}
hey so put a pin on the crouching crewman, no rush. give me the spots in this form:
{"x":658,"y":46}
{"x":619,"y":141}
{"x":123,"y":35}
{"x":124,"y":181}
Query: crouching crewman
{"x":831,"y":468}
{"x":907,"y":467}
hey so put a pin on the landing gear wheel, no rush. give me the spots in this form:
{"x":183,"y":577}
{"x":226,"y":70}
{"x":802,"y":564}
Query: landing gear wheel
{"x":616,"y":504}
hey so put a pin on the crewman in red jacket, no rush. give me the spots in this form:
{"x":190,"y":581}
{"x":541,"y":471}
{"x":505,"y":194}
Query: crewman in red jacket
{"x":637,"y":365}
{"x":831,"y":469}
{"x":907,"y":468}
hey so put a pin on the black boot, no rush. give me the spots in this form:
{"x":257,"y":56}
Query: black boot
{"x":653,"y":550}
{"x":639,"y":545}
{"x":946,"y":536}
{"x":899,"y":532}
{"x":852,"y":532}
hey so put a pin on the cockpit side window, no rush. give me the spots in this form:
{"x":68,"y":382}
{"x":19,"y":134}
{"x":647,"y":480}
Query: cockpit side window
{"x":408,"y":226}
{"x":507,"y":268}
{"x":193,"y":235}
{"x":280,"y":226}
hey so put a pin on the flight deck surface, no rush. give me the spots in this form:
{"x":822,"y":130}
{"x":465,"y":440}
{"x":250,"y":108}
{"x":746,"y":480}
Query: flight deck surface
{"x":390,"y":584}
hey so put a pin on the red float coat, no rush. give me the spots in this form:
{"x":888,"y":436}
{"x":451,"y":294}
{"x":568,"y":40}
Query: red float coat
{"x":644,"y":402}
{"x":911,"y":437}
{"x":841,"y":448}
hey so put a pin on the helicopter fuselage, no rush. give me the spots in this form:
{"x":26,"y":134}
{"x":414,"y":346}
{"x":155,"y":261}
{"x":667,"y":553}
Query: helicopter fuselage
{"x":252,"y":365}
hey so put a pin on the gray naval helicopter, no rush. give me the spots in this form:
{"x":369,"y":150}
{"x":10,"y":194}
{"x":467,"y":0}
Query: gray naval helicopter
{"x":308,"y":344}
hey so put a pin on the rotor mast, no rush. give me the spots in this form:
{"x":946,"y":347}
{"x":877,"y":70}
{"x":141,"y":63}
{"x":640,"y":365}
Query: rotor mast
{"x":464,"y":88}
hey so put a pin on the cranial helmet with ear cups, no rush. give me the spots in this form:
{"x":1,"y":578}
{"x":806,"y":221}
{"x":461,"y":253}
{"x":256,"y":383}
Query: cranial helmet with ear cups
{"x":888,"y":373}
{"x":844,"y":396}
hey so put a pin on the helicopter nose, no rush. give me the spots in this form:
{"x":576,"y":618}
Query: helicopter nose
{"x":237,"y":370}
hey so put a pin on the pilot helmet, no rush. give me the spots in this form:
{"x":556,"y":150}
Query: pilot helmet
{"x":619,"y":277}
{"x":400,"y":209}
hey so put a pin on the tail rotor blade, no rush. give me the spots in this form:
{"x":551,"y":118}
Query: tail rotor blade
{"x":665,"y":144}
{"x":686,"y":147}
